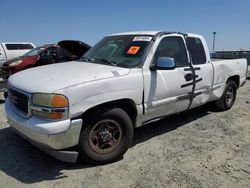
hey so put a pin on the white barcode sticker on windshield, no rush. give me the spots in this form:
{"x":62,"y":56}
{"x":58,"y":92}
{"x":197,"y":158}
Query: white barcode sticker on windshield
{"x":142,"y":38}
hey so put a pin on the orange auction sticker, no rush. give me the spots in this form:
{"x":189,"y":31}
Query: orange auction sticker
{"x":133,"y":50}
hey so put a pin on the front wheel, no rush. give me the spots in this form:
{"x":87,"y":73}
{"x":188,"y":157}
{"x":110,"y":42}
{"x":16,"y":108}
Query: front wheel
{"x":106,"y":136}
{"x":227,"y":99}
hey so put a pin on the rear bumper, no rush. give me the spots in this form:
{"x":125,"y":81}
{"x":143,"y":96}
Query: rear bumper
{"x":45,"y":134}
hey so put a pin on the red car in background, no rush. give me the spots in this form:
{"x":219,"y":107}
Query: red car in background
{"x":66,"y":50}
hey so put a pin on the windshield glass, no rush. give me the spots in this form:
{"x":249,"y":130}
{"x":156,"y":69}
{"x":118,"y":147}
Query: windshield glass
{"x":34,"y":52}
{"x":123,"y":50}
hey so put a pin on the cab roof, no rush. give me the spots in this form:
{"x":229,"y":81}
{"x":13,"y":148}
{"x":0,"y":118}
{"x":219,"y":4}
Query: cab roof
{"x":137,"y":33}
{"x":154,"y":33}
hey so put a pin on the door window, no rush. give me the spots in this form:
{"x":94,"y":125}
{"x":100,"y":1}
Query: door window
{"x":173,"y":47}
{"x":48,"y":53}
{"x":197,"y":51}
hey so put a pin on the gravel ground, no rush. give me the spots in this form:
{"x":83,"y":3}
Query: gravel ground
{"x":200,"y":148}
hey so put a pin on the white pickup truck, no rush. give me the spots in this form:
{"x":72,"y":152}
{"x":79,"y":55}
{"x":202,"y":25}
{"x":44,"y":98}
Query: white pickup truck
{"x":9,"y":50}
{"x":125,"y":81}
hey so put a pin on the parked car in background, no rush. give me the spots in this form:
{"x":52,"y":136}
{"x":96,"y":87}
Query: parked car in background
{"x":66,"y":50}
{"x":9,"y":50}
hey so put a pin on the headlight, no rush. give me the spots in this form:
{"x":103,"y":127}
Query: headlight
{"x":50,"y":100}
{"x":15,"y":63}
{"x":50,"y":106}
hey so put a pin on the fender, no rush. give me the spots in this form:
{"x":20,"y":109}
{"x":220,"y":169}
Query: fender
{"x":85,"y":104}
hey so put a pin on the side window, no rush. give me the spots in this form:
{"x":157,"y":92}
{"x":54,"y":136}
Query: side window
{"x":47,"y":53}
{"x":197,"y":51}
{"x":173,"y":47}
{"x":19,"y":46}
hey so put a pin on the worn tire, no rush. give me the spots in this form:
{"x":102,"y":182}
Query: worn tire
{"x":103,"y":124}
{"x":227,"y":99}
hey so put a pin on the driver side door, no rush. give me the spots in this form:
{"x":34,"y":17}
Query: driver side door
{"x":164,"y":91}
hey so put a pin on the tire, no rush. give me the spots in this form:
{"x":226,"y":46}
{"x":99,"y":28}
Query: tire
{"x":106,"y":136}
{"x":227,"y":99}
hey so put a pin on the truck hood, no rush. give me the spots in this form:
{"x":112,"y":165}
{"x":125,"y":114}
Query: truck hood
{"x":50,"y":78}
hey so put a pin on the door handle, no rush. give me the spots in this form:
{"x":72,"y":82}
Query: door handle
{"x":189,"y":77}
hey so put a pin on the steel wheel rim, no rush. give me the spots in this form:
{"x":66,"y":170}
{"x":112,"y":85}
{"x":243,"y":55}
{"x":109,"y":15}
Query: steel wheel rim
{"x":229,"y":95}
{"x":105,"y":136}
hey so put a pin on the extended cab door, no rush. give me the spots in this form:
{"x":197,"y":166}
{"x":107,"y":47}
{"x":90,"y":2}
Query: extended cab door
{"x":163,"y":91}
{"x":202,"y":69}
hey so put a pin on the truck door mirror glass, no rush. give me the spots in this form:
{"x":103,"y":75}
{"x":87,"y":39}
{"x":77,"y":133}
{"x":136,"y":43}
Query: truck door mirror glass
{"x":165,"y":63}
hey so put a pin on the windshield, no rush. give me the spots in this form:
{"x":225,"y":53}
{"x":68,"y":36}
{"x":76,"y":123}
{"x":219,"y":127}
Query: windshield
{"x":34,"y":52}
{"x":124,"y":50}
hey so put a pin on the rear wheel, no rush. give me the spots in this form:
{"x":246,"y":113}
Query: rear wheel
{"x":227,"y":99}
{"x":106,"y":136}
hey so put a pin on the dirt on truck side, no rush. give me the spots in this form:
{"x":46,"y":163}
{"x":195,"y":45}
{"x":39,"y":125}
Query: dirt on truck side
{"x":203,"y":147}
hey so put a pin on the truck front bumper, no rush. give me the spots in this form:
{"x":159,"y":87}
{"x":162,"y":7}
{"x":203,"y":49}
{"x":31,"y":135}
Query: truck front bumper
{"x":49,"y":136}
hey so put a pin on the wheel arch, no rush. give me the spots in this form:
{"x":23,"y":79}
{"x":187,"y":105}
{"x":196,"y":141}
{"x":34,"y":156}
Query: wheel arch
{"x":126,"y":104}
{"x":236,"y":79}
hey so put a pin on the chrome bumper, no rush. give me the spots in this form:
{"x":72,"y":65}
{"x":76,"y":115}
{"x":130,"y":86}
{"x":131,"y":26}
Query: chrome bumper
{"x":58,"y":141}
{"x":50,"y":137}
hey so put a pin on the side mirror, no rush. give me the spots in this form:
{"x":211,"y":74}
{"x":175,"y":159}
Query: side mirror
{"x":164,"y":63}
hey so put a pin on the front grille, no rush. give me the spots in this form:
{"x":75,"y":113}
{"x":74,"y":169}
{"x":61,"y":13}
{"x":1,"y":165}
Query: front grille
{"x":19,"y":100}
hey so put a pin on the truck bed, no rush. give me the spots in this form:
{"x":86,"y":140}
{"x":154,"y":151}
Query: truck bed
{"x":224,"y":68}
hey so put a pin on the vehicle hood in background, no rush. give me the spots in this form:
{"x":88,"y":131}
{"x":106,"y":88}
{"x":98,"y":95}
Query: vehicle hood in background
{"x":50,"y":78}
{"x":77,"y":48}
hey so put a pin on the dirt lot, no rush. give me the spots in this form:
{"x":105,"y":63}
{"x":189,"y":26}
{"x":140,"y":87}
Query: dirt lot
{"x":200,"y":148}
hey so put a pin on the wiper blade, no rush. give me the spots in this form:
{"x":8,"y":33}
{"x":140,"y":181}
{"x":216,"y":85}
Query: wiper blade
{"x":113,"y":63}
{"x":98,"y":60}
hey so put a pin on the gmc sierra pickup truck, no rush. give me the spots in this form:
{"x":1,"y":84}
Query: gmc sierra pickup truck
{"x":125,"y":81}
